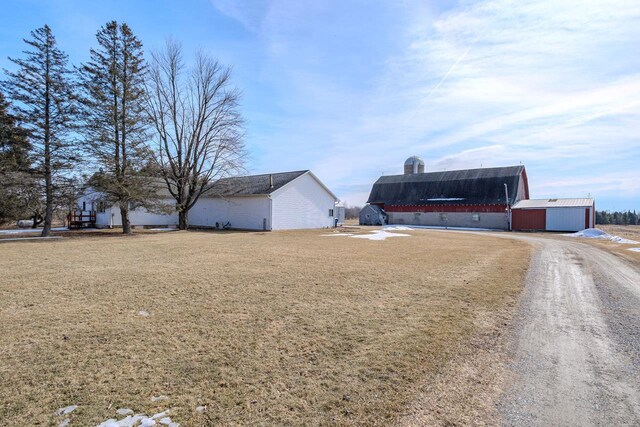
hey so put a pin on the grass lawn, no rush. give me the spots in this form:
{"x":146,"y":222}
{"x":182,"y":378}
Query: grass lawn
{"x":280,"y":328}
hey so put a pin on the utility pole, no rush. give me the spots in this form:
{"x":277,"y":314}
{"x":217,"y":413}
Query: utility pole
{"x":506,"y":195}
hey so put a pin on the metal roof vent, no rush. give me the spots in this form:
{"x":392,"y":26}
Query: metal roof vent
{"x":413,"y":164}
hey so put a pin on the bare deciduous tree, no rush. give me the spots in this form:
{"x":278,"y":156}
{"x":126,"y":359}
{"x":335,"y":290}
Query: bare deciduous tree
{"x":197,"y":123}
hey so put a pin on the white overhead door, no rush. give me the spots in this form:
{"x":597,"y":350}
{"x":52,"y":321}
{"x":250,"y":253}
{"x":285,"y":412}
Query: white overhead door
{"x":565,"y":219}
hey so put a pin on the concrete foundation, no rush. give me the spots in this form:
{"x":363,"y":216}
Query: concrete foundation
{"x":451,"y":219}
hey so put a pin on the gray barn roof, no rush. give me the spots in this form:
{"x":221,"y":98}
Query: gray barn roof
{"x":252,"y":185}
{"x":458,"y":187}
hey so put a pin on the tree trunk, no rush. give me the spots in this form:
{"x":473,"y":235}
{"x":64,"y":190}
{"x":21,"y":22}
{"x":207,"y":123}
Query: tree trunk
{"x":47,"y":153}
{"x":126,"y":224}
{"x":183,"y":220}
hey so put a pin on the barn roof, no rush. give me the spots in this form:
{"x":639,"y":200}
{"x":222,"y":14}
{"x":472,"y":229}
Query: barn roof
{"x":252,"y":185}
{"x":553,"y":203}
{"x":459,"y":187}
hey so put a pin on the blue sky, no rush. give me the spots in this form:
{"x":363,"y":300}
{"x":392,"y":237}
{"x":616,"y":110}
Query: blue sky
{"x":350,"y":89}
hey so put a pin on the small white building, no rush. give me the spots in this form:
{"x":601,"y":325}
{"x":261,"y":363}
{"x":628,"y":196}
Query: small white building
{"x":278,"y":201}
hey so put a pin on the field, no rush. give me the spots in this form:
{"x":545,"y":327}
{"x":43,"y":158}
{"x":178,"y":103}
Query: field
{"x":231,"y":328}
{"x":630,"y":232}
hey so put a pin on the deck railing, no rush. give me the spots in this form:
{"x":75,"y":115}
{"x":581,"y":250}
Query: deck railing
{"x":81,"y":219}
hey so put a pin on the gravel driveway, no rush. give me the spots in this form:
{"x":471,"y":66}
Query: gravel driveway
{"x":576,"y":342}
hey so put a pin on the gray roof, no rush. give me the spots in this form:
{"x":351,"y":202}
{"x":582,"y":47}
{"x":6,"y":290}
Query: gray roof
{"x":459,"y":187}
{"x":553,"y":203}
{"x":252,"y":185}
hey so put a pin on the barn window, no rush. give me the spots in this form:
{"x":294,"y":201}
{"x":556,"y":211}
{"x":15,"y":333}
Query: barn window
{"x":330,"y":212}
{"x":475,"y":217}
{"x":443,"y":216}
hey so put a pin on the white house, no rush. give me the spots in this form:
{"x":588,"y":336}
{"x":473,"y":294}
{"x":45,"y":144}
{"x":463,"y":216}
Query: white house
{"x":278,"y":201}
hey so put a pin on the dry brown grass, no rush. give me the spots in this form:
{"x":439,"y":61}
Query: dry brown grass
{"x":281,"y":328}
{"x":631,"y":232}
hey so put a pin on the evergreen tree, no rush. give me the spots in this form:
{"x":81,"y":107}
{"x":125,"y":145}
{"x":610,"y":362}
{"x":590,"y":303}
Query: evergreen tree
{"x":14,"y":163}
{"x":40,"y":89}
{"x":114,"y":120}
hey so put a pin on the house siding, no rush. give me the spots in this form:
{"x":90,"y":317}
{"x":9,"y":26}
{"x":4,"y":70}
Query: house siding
{"x":303,"y":203}
{"x":245,"y":213}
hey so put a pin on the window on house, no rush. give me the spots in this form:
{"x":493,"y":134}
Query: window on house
{"x":443,"y":216}
{"x":84,"y":206}
{"x":101,"y":207}
{"x":330,"y":212}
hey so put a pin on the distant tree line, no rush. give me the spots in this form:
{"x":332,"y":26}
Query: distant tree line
{"x":125,"y":125}
{"x":617,"y":218}
{"x":352,"y":212}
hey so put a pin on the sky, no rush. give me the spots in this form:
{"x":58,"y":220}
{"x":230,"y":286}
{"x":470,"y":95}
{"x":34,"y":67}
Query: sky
{"x":351,"y":88}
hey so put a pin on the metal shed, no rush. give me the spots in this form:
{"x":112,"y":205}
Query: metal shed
{"x":553,"y":214}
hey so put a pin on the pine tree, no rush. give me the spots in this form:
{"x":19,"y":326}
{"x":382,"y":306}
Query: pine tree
{"x":40,"y":89}
{"x":114,"y":121}
{"x":14,"y":163}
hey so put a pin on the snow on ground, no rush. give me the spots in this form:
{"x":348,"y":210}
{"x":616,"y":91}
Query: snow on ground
{"x":372,"y":235}
{"x":31,"y":230}
{"x":66,"y":410}
{"x":379,"y":235}
{"x":139,"y":420}
{"x":434,"y":227}
{"x":595,"y":233}
{"x":634,"y":249}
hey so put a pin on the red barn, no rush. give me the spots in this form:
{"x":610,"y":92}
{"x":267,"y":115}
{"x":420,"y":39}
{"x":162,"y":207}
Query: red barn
{"x":477,"y":198}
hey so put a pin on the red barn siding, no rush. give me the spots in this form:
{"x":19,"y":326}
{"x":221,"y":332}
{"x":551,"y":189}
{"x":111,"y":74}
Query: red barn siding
{"x":449,"y":208}
{"x":529,"y":219}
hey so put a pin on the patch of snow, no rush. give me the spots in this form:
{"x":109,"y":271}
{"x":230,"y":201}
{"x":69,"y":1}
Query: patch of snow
{"x":379,"y":235}
{"x":436,"y":227}
{"x":145,"y":313}
{"x":31,"y":230}
{"x":338,"y":235}
{"x":166,"y":421}
{"x":201,"y":409}
{"x":66,"y":410}
{"x":596,"y":233}
{"x":124,"y":411}
{"x":634,"y":249}
{"x":65,"y":422}
{"x":159,"y":398}
{"x":128,"y":421}
{"x":160,"y":415}
{"x":396,"y":228}
{"x":147,"y":422}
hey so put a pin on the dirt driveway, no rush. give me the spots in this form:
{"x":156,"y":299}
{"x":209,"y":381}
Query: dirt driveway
{"x":576,"y":342}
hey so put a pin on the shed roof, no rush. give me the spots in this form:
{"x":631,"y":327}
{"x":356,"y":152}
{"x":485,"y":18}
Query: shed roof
{"x":460,"y":187}
{"x":553,"y":203}
{"x":251,"y":185}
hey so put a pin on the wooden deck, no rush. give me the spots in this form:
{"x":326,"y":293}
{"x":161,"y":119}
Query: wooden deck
{"x":81,"y":219}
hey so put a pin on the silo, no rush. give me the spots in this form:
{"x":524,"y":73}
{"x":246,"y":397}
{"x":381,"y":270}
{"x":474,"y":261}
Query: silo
{"x":413,"y":164}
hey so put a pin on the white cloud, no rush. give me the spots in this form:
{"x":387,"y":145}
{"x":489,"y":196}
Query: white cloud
{"x":552,"y":84}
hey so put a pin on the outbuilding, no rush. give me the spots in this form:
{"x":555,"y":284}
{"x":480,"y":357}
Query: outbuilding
{"x":553,"y":214}
{"x":477,"y":198}
{"x":275,"y":201}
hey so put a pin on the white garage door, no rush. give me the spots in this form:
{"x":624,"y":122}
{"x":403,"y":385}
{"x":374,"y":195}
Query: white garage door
{"x":565,"y":219}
